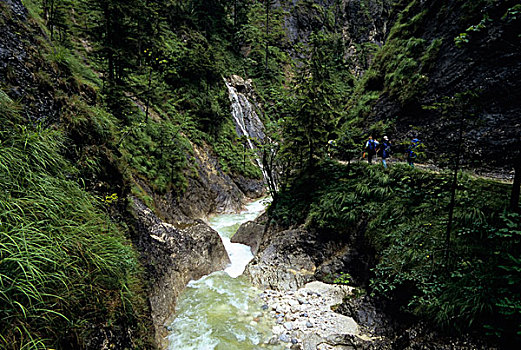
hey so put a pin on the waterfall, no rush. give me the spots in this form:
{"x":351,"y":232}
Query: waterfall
{"x":247,"y":121}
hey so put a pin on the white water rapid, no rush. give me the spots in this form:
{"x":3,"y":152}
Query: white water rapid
{"x":223,"y":311}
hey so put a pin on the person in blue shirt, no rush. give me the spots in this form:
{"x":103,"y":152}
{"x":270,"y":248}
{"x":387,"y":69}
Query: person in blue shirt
{"x":411,"y":151}
{"x":370,"y":149}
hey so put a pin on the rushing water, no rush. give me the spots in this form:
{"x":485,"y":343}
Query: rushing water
{"x":222,"y":311}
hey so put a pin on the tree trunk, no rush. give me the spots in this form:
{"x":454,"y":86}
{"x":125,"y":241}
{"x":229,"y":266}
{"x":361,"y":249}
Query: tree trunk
{"x":148,"y":93}
{"x":267,"y":30}
{"x":516,"y":186}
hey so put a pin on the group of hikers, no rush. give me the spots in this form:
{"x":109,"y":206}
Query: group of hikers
{"x":373,"y":148}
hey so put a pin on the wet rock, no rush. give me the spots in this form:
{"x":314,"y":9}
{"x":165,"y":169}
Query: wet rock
{"x":172,"y":258}
{"x":282,"y":264}
{"x":250,"y":234}
{"x":285,"y":338}
{"x":288,"y":326}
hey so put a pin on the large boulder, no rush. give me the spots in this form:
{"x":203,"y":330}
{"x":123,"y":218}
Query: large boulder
{"x":250,"y":234}
{"x":172,"y":257}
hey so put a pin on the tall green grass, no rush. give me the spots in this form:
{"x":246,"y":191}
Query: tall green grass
{"x":65,"y":269}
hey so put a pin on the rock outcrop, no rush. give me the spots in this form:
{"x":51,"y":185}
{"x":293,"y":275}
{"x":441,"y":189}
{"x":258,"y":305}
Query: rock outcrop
{"x":210,"y":190}
{"x":359,"y":22}
{"x":173,"y":257}
{"x":312,"y":315}
{"x":250,"y":234}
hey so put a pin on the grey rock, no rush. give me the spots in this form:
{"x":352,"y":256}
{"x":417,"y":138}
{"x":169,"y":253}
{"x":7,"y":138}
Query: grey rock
{"x":288,"y":326}
{"x":285,"y":338}
{"x":173,"y":257}
{"x":250,"y":234}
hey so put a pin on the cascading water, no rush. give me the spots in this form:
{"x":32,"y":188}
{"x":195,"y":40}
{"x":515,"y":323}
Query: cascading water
{"x":247,"y":121}
{"x":223,"y":310}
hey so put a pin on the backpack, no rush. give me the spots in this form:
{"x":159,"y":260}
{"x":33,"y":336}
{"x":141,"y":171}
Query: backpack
{"x":411,"y":150}
{"x":371,"y":145}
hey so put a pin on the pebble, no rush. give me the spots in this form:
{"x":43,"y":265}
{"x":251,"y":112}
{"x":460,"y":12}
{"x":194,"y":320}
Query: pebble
{"x":285,"y":338}
{"x":288,"y":326}
{"x":309,"y":324}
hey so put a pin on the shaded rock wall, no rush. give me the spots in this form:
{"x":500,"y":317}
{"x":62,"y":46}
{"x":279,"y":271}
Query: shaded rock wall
{"x":286,"y":259}
{"x":210,"y":190}
{"x":489,"y":64}
{"x":359,"y":22}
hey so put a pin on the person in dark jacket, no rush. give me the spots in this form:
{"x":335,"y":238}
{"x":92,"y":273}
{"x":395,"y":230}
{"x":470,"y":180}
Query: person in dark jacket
{"x":385,"y":149}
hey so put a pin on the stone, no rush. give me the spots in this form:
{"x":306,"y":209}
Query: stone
{"x":285,"y":338}
{"x":250,"y":234}
{"x":175,"y":256}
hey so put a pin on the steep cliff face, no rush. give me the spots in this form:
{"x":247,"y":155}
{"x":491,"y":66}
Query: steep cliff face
{"x":362,"y":24}
{"x":26,"y":73}
{"x":463,"y":60}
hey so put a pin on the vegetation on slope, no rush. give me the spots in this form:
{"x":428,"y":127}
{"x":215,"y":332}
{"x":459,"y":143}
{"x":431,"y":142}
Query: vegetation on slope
{"x":134,"y":85}
{"x":65,"y":268}
{"x":475,"y":285}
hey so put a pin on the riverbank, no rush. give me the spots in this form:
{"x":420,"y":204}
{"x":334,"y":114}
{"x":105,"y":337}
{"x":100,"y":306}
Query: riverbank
{"x":311,"y":235}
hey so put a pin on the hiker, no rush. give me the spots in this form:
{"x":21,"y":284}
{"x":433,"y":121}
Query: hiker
{"x":411,"y":151}
{"x":385,"y":149}
{"x":331,"y":147}
{"x":370,"y":149}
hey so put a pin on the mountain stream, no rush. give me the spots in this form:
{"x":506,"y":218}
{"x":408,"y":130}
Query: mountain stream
{"x":222,"y":310}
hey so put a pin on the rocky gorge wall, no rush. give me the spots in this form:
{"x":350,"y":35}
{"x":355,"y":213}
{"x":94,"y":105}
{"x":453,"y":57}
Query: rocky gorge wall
{"x":362,"y":24}
{"x":175,"y":245}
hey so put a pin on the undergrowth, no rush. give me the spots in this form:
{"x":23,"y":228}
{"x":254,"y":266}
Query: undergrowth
{"x":65,"y":269}
{"x":404,"y":215}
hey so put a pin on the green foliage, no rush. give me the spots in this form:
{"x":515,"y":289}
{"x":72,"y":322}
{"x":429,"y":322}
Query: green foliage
{"x":404,"y":212}
{"x":158,"y":152}
{"x":463,"y":38}
{"x":311,"y":109}
{"x":63,"y":265}
{"x":234,"y":154}
{"x":343,"y":278}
